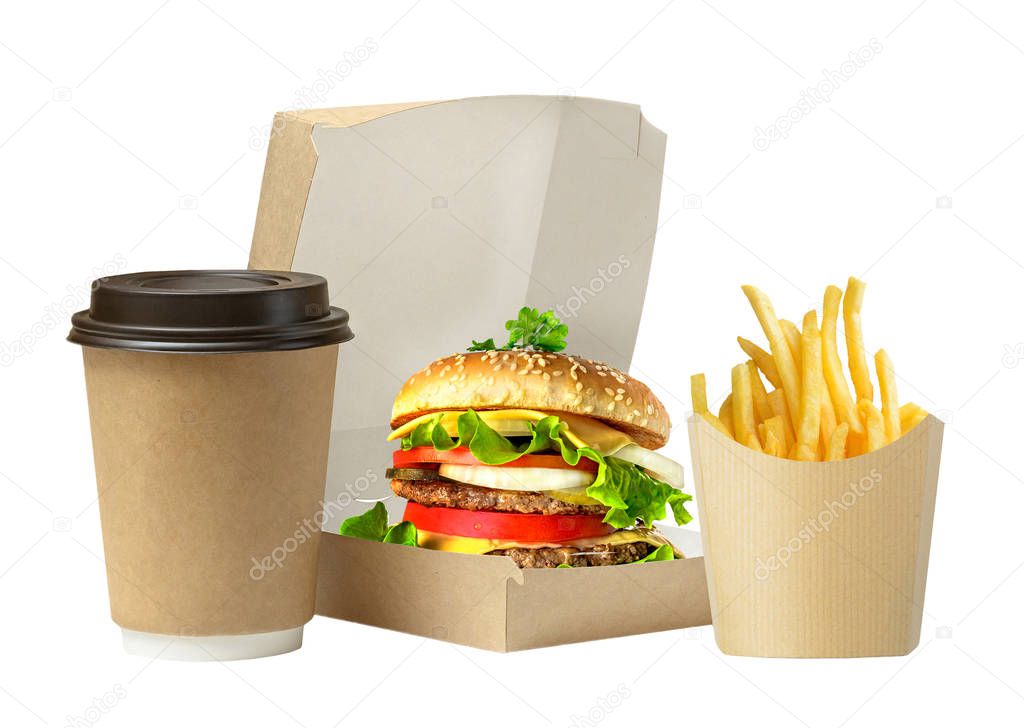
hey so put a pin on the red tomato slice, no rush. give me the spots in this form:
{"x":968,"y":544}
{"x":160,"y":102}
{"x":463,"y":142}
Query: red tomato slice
{"x":505,"y":526}
{"x":417,"y":456}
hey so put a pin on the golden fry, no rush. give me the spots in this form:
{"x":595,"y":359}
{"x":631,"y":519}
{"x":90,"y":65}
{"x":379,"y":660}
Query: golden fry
{"x":699,"y":393}
{"x":839,"y":392}
{"x":875,"y":437}
{"x":775,"y":428}
{"x":777,"y":401}
{"x":762,"y":410}
{"x":781,"y":353}
{"x":808,"y":430}
{"x":763,"y":360}
{"x":813,"y":413}
{"x":911,"y":416}
{"x":793,"y":336}
{"x":716,"y":423}
{"x":828,"y":413}
{"x":725,"y":415}
{"x":837,"y":443}
{"x":828,"y":417}
{"x":743,"y":421}
{"x":858,"y":361}
{"x":887,"y":391}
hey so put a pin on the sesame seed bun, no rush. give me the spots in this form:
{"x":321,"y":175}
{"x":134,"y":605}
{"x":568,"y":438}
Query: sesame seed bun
{"x":524,"y":379}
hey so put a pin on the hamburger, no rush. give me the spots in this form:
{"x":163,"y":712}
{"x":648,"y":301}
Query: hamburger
{"x":526,"y":452}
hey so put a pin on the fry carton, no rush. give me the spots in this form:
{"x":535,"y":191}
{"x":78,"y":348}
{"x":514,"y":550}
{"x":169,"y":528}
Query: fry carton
{"x":816,"y":559}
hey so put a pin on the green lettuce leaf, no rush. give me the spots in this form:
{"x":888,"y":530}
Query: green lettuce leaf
{"x":373,"y":526}
{"x":632,"y":494}
{"x":403,"y":533}
{"x":629,"y":492}
{"x":662,"y":553}
{"x":530,"y":329}
{"x":486,"y":345}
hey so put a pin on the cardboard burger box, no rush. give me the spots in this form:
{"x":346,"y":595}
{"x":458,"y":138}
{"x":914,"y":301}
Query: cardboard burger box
{"x":434,"y":222}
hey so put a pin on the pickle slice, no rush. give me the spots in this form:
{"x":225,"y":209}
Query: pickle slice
{"x":412,"y":474}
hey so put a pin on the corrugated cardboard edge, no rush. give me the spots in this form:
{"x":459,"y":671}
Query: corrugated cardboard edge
{"x":760,"y":634}
{"x":288,"y":173}
{"x":489,"y":603}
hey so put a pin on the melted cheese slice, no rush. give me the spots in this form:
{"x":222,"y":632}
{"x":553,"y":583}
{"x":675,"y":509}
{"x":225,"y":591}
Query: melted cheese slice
{"x":468,"y":545}
{"x":580,"y":431}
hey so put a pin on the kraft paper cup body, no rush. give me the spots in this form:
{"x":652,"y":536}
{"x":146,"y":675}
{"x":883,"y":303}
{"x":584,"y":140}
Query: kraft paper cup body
{"x":210,"y":471}
{"x":816,"y":559}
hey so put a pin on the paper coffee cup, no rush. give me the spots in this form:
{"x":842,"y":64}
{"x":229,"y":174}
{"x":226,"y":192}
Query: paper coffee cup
{"x":812,"y":559}
{"x":210,"y":397}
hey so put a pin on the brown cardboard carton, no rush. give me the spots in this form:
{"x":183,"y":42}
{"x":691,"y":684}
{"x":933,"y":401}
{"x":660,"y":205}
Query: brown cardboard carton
{"x":816,"y":559}
{"x":435,"y":222}
{"x":490,"y":603}
{"x":207,"y":464}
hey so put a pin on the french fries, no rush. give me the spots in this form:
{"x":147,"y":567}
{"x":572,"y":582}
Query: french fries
{"x":775,"y":436}
{"x":793,"y":337}
{"x":887,"y":392}
{"x":777,"y":401}
{"x":846,"y":410}
{"x":811,"y":414}
{"x":772,"y":446}
{"x":828,"y":417}
{"x":873,"y":424}
{"x":910,"y":416}
{"x":857,"y":359}
{"x":808,"y":431}
{"x":785,"y":363}
{"x":699,"y":393}
{"x":837,"y":443}
{"x":744,"y":424}
{"x":762,"y":410}
{"x":725,"y":416}
{"x":763,"y":360}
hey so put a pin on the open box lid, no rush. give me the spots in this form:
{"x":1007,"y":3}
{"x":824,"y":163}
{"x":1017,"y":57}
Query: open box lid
{"x":434,"y":222}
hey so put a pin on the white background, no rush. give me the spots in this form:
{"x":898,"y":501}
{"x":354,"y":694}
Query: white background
{"x":131,"y":138}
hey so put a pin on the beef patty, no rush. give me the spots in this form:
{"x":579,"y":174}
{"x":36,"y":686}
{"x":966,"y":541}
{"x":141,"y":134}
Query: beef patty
{"x":474,"y":498}
{"x":602,"y":555}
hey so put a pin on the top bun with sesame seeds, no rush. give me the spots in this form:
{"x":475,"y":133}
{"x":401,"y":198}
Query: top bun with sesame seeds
{"x":537,"y":380}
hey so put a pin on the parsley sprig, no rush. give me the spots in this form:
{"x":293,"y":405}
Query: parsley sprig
{"x":529,"y":330}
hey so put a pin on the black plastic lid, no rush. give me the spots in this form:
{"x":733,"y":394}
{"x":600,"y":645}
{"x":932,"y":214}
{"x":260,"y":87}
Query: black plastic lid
{"x":210,"y":311}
